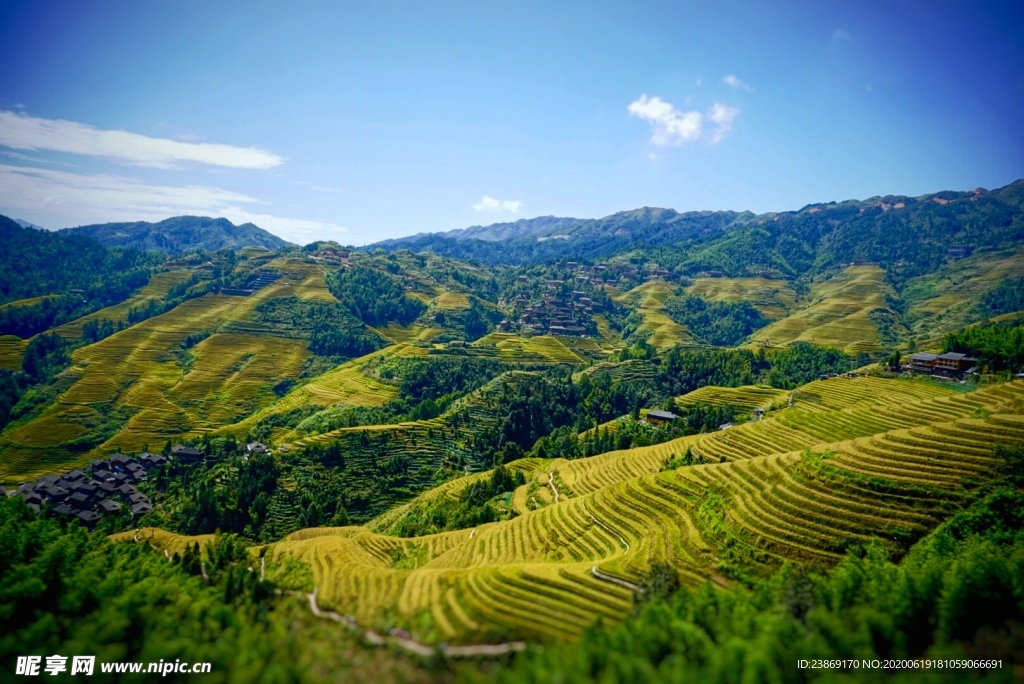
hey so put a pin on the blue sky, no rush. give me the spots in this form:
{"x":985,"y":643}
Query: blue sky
{"x":362,"y":122}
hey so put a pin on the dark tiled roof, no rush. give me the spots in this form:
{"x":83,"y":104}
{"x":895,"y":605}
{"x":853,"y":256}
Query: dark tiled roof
{"x":956,"y":356}
{"x":142,"y":508}
{"x":78,"y":500}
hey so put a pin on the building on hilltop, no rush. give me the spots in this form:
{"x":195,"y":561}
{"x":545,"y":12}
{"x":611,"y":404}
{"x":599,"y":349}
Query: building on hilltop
{"x":187,"y":454}
{"x":954,"y":363}
{"x":923,"y":362}
{"x":948,"y":364}
{"x":658,"y":416}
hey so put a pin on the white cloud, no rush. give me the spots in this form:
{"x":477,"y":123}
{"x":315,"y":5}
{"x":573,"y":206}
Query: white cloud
{"x":23,"y":132}
{"x":671,"y":126}
{"x":733,"y":81}
{"x":491,"y":204}
{"x":722,"y":116}
{"x":71,"y":199}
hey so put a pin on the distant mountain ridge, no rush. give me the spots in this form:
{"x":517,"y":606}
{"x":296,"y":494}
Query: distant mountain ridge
{"x":181,"y":234}
{"x":28,"y":224}
{"x":540,"y":225}
{"x":547,"y":238}
{"x":912,"y":234}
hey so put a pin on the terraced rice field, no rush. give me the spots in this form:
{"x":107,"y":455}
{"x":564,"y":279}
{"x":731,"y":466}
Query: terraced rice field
{"x":633,"y":370}
{"x":773,"y":298}
{"x":425,"y":443}
{"x":134,"y":373}
{"x":157,"y":288}
{"x":25,"y":302}
{"x":610,"y":339}
{"x":346,"y":384}
{"x":451,"y":301}
{"x":410,"y":333}
{"x":232,"y":376}
{"x":746,"y":398}
{"x":837,"y":313}
{"x":944,"y":301}
{"x":543,"y":348}
{"x":785,"y":493}
{"x":12,"y":350}
{"x":306,"y":280}
{"x":163,"y":540}
{"x":649,"y":299}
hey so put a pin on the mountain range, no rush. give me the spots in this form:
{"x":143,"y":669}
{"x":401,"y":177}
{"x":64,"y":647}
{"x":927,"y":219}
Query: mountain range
{"x":181,"y":234}
{"x":541,"y":225}
{"x":894,"y":230}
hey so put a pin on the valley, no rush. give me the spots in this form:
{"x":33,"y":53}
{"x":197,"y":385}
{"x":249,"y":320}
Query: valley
{"x":457,"y":455}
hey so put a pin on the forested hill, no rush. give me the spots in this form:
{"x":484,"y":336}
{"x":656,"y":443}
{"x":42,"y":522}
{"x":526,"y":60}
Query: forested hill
{"x":181,"y":234}
{"x":36,"y":262}
{"x":906,"y":235}
{"x":583,"y":239}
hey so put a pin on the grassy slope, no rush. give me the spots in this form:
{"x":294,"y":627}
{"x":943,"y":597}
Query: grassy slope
{"x":906,"y":455}
{"x":136,"y":380}
{"x":837,"y":313}
{"x":773,"y":298}
{"x":945,"y":300}
{"x":744,"y":398}
{"x":540,"y":349}
{"x":12,"y":348}
{"x":649,"y":300}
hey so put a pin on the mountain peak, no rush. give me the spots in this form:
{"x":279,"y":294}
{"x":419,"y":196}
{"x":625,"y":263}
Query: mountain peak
{"x":181,"y":234}
{"x":28,"y":224}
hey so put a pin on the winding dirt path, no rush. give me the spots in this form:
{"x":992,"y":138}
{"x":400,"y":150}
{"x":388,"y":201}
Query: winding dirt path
{"x":551,"y":483}
{"x":410,"y":645}
{"x":607,"y":529}
{"x":616,"y":580}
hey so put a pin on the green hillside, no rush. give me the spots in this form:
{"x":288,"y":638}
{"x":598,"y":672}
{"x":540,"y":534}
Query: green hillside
{"x":725,"y":521}
{"x":459,"y":458}
{"x":181,"y":234}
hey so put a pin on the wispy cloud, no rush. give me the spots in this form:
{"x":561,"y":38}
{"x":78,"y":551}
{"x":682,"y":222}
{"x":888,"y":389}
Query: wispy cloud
{"x":23,"y":132}
{"x":722,"y":117}
{"x":841,"y":36}
{"x":673,"y":127}
{"x":491,"y":204}
{"x":733,"y":81}
{"x":76,"y":199}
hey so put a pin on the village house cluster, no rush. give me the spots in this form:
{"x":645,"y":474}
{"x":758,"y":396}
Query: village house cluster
{"x":950,"y":364}
{"x":569,"y":315}
{"x":109,"y":487}
{"x":611,"y":274}
{"x":332,"y":256}
{"x":558,"y":316}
